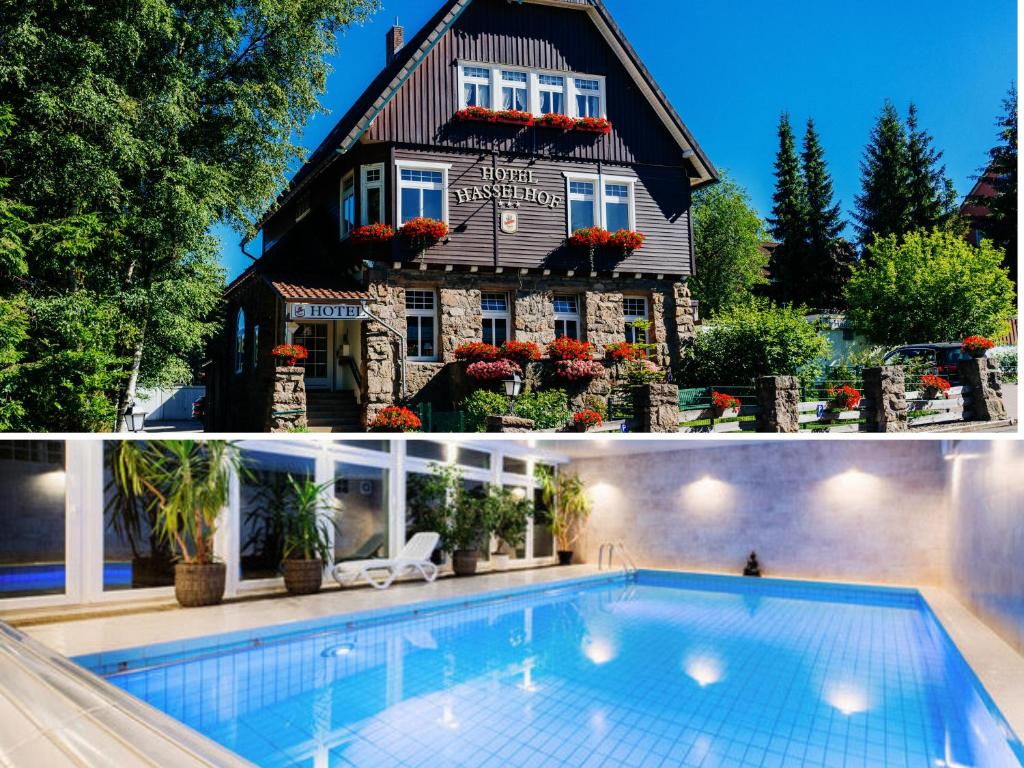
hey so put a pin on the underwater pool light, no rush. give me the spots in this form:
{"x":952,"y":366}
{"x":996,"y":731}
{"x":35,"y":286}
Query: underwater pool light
{"x":338,"y":651}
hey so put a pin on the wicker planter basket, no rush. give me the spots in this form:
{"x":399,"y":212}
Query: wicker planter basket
{"x":199,"y":584}
{"x":303,"y":577}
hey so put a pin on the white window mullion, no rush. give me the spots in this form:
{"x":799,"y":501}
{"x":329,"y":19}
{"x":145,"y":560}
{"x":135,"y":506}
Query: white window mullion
{"x":323,"y":473}
{"x":534,"y":99}
{"x":531,"y":489}
{"x":571,"y":108}
{"x":83,"y":521}
{"x":496,"y":88}
{"x":396,"y":511}
{"x":227,"y":543}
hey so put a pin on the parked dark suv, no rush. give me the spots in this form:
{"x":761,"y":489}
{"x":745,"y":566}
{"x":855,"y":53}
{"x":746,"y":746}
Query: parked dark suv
{"x":943,"y":357}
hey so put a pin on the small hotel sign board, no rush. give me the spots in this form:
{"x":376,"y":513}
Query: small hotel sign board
{"x":326,"y":312}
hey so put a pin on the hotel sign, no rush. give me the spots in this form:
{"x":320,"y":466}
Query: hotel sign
{"x":510,"y":188}
{"x":326,"y":312}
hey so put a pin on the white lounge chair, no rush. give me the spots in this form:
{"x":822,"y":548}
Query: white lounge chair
{"x":415,"y":556}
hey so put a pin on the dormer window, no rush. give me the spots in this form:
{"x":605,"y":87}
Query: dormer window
{"x":539,"y":92}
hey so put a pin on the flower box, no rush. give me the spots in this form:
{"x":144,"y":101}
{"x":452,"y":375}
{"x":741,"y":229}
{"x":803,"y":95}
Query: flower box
{"x":476,"y":352}
{"x":289,"y":354}
{"x":522,"y":352}
{"x":514,"y":117}
{"x":475,"y":115}
{"x":372,"y":233}
{"x":424,"y":233}
{"x":564,"y":348}
{"x":556,"y":122}
{"x":495,"y":370}
{"x":396,"y":419}
{"x":627,"y":241}
{"x":590,"y":238}
{"x":725,"y":406}
{"x":593,"y":125}
{"x":935,"y":387}
{"x":977,"y":346}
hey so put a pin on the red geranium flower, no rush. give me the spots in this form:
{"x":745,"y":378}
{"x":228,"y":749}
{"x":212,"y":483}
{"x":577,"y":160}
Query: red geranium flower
{"x":578,"y":370}
{"x":475,"y":115}
{"x":514,"y":116}
{"x":845,"y":397}
{"x":497,"y":370}
{"x":564,"y":348}
{"x":477,"y":351}
{"x":588,"y":418}
{"x":372,"y":233}
{"x":423,"y":232}
{"x":589,"y":237}
{"x":623,"y":351}
{"x":556,"y":121}
{"x":936,"y":384}
{"x":396,"y":419}
{"x":627,"y":240}
{"x":290,"y":354}
{"x":594,"y":125}
{"x":977,"y":346}
{"x":521,"y":352}
{"x":723,"y":402}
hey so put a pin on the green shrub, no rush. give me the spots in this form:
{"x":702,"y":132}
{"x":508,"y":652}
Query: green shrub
{"x":754,"y":339}
{"x":1008,"y":364}
{"x":550,"y":409}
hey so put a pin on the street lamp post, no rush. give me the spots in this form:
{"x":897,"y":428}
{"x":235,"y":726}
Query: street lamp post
{"x":513,"y":388}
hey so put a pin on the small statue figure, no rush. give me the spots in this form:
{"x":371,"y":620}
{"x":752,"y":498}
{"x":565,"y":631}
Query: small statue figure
{"x":753,"y":567}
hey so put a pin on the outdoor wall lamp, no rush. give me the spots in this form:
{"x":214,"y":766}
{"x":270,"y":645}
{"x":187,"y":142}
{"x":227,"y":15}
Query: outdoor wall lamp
{"x":135,"y":420}
{"x":513,"y":388}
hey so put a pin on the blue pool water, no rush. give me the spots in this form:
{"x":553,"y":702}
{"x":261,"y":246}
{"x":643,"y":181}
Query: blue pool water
{"x":655,"y":671}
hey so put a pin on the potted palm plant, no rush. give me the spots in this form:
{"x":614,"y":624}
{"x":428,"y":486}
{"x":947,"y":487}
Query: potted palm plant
{"x":306,"y":536}
{"x":508,"y":516}
{"x":566,"y":509}
{"x":189,"y":482}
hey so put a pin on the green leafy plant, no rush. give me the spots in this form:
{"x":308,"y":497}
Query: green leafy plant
{"x":189,"y":482}
{"x":307,"y":527}
{"x":564,"y":507}
{"x":430,"y":499}
{"x":753,"y":339}
{"x":1007,"y":362}
{"x":507,"y":515}
{"x":548,"y":409}
{"x":469,"y":525}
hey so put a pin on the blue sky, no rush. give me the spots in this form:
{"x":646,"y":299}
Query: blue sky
{"x":730,"y":69}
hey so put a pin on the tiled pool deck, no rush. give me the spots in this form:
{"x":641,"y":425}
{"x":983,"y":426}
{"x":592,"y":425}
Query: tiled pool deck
{"x":997,"y":665}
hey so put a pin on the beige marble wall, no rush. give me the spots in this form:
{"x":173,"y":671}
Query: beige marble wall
{"x":987,"y":533}
{"x":874,"y":511}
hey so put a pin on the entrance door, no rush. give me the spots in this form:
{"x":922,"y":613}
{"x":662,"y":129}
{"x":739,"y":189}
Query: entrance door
{"x":316,"y":337}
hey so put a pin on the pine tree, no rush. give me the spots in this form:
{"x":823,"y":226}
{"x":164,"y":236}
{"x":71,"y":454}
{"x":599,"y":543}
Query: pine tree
{"x":1001,"y":225}
{"x":933,"y":198}
{"x":788,"y":222}
{"x":827,"y":255}
{"x":884,"y":206}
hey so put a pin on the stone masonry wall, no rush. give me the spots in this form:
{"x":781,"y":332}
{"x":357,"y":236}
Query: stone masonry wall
{"x":460,"y":319}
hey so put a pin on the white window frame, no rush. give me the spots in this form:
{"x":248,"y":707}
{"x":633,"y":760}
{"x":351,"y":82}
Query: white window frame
{"x":601,"y":94}
{"x":365,"y":186}
{"x":491,"y":315}
{"x":517,"y":85}
{"x":465,"y":80}
{"x":418,"y":313}
{"x":630,"y":318}
{"x":533,"y":86}
{"x":600,"y":181}
{"x":347,"y":181}
{"x":240,"y":340}
{"x":256,"y":346}
{"x":416,"y":165}
{"x":576,"y":197}
{"x":543,"y":88}
{"x":568,"y":316}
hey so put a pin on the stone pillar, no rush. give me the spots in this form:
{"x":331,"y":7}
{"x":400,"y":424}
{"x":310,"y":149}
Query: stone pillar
{"x":656,"y":408}
{"x":778,"y":398}
{"x":381,"y":356}
{"x":886,"y":388}
{"x":287,"y":406}
{"x":509,"y":424}
{"x":986,"y":389}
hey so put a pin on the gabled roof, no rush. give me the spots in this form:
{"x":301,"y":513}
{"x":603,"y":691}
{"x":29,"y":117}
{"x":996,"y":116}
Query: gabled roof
{"x":354,"y":123}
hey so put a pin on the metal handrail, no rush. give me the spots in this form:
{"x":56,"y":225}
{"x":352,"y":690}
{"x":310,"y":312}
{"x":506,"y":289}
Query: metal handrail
{"x":628,"y":563}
